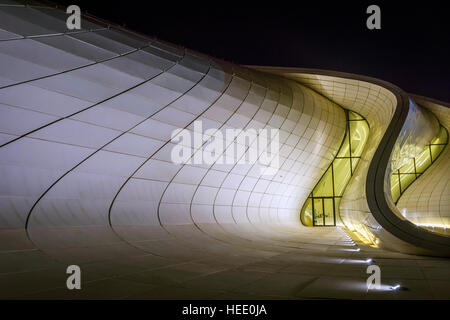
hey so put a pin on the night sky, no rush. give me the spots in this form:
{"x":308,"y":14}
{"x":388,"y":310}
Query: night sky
{"x":411,"y":50}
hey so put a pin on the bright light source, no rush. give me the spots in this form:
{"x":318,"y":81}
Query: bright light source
{"x":369,"y":260}
{"x":350,"y":250}
{"x":396,"y":287}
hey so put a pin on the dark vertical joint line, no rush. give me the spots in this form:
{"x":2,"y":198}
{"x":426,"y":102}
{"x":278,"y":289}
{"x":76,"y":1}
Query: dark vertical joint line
{"x":323,"y":211}
{"x":334,"y":193}
{"x":431,"y":154}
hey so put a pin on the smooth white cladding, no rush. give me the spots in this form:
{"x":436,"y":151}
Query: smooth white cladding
{"x":227,"y":146}
{"x":426,"y":202}
{"x":86,"y":127}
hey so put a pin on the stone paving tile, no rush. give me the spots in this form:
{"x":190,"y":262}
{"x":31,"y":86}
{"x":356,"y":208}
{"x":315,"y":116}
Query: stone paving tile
{"x":19,"y":284}
{"x":283,"y":284}
{"x":335,"y":288}
{"x":225,"y":280}
{"x":175,"y":293}
{"x":440,"y":289}
{"x":102,"y":289}
{"x":436,"y":273}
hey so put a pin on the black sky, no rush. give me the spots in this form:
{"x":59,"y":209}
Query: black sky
{"x":412,"y":49}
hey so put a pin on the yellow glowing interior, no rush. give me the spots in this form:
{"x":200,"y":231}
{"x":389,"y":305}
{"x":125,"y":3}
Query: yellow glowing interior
{"x":402,"y":178}
{"x":322,"y":206}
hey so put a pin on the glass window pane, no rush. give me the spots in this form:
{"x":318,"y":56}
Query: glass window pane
{"x":329,"y":212}
{"x":318,"y":212}
{"x":344,"y":151}
{"x":306,"y":214}
{"x":359,"y":132}
{"x":341,"y":175}
{"x":337,"y":202}
{"x":323,"y":201}
{"x":408,"y":168}
{"x":325,"y":186}
{"x":423,"y":161}
{"x":436,"y":151}
{"x":395,"y":187}
{"x":406,"y":180}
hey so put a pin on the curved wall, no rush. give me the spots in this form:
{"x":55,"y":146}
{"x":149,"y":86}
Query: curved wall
{"x":427,"y":201}
{"x":393,"y":120}
{"x":85,"y":162}
{"x":87,"y":119}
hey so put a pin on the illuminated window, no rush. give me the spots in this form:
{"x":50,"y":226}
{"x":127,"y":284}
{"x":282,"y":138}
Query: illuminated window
{"x":322,"y":206}
{"x":402,"y":178}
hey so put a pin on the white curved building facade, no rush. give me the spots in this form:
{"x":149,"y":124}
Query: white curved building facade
{"x":88,"y":125}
